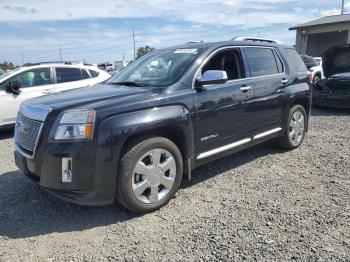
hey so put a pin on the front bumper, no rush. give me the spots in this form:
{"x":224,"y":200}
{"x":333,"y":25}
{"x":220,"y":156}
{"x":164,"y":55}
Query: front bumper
{"x":93,"y":175}
{"x":331,"y":100}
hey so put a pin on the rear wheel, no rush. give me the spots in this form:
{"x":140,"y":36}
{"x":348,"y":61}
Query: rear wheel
{"x":295,"y":128}
{"x":150,"y":174}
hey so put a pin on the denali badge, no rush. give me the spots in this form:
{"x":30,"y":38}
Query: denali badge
{"x":21,"y":127}
{"x":209,"y":137}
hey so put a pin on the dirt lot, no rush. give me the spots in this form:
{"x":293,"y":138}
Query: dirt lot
{"x":259,"y":204}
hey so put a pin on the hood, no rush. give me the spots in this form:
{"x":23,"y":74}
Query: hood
{"x":336,"y":60}
{"x":94,"y":97}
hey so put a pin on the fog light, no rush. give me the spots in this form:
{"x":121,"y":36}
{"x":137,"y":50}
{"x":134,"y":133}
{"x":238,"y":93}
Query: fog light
{"x":67,"y":174}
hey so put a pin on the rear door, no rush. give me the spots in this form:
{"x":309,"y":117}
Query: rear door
{"x":266,"y":70}
{"x":68,"y":77}
{"x":35,"y":82}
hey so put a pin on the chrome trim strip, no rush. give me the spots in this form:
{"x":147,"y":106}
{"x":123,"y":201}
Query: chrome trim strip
{"x":234,"y":80}
{"x":35,"y":111}
{"x":270,"y":132}
{"x":223,"y":148}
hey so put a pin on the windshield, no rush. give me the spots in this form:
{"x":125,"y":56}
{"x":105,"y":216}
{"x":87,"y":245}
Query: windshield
{"x":159,"y":68}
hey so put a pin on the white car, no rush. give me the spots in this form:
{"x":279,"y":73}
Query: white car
{"x":28,"y":82}
{"x":314,"y":66}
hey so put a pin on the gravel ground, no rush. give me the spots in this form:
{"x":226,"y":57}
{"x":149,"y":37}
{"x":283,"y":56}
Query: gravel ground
{"x":259,"y":204}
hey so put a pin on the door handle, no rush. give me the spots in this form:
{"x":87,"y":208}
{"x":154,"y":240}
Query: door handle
{"x":47,"y":91}
{"x":245,"y":88}
{"x":284,"y":81}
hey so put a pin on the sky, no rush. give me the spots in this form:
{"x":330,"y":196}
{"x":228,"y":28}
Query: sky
{"x":100,"y":31}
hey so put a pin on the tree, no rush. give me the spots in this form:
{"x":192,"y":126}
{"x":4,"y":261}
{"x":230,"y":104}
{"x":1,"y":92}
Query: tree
{"x":6,"y":66}
{"x":141,"y":51}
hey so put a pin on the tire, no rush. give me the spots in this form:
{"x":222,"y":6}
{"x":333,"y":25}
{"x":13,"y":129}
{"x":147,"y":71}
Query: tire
{"x":316,"y":79}
{"x":291,"y":140}
{"x":145,"y":184}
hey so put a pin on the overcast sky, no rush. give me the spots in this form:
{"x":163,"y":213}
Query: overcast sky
{"x":101,"y":31}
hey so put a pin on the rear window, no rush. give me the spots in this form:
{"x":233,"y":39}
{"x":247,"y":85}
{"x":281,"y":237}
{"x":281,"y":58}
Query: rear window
{"x":294,"y":60}
{"x":261,"y":61}
{"x":64,"y":74}
{"x":93,"y":73}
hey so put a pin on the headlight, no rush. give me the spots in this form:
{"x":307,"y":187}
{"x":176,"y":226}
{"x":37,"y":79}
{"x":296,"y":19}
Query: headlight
{"x":76,"y":125}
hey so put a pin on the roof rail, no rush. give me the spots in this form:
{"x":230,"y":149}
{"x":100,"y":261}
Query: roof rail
{"x":61,"y":62}
{"x":255,"y":39}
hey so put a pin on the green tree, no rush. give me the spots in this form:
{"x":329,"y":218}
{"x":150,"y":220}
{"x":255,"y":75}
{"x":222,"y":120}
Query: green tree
{"x":141,"y":51}
{"x":6,"y":66}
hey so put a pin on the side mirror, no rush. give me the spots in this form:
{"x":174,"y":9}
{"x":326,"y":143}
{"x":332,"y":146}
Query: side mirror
{"x":212,"y":77}
{"x":14,"y":87}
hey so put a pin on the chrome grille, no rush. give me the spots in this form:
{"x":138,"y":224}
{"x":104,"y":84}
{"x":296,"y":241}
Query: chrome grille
{"x":27,"y":133}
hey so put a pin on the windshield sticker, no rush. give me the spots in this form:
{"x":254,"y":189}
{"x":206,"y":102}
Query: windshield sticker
{"x":186,"y":51}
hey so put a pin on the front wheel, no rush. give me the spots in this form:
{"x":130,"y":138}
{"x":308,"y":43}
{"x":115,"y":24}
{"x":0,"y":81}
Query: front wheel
{"x":295,"y":129}
{"x":150,"y":174}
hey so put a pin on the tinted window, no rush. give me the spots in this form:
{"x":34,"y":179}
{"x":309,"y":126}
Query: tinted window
{"x":84,"y":74}
{"x":261,"y":61}
{"x":93,"y":73}
{"x":229,"y":61}
{"x":294,"y":60}
{"x":31,"y":78}
{"x":68,"y":74}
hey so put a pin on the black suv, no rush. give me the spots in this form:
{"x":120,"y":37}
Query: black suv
{"x":133,"y":138}
{"x":334,"y":90}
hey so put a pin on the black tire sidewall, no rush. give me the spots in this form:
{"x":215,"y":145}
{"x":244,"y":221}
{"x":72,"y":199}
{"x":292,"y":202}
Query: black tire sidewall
{"x":125,"y":177}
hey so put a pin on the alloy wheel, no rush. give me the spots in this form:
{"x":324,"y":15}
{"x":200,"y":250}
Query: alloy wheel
{"x":154,"y":176}
{"x":296,"y":128}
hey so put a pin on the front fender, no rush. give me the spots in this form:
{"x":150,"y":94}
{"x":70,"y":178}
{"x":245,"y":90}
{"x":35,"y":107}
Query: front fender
{"x":115,"y":130}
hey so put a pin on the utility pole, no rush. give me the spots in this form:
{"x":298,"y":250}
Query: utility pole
{"x":22,"y":58}
{"x":133,"y":39}
{"x":61,"y":54}
{"x":342,"y":7}
{"x":123,"y":57}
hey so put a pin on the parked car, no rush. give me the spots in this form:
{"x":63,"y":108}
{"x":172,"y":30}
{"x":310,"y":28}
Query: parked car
{"x":314,"y":67}
{"x":132,"y":138}
{"x":42,"y":79}
{"x":334,"y":90}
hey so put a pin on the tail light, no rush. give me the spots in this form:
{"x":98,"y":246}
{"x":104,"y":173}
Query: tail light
{"x":309,"y":77}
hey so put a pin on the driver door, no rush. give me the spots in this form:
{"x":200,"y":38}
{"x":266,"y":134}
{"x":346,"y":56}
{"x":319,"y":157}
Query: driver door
{"x":34,"y":83}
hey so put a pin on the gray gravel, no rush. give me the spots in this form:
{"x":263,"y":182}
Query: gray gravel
{"x":259,"y":204}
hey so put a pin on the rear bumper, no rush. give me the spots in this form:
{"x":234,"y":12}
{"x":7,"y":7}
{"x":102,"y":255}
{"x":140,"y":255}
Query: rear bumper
{"x":331,"y":100}
{"x":87,"y":187}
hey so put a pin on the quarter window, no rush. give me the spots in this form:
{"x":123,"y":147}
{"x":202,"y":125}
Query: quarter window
{"x":261,"y":61}
{"x":93,"y":73}
{"x":64,"y":74}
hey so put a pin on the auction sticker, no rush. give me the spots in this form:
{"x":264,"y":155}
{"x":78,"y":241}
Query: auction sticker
{"x":186,"y":51}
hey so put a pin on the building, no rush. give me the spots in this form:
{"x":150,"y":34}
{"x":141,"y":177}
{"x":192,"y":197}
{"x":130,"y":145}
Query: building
{"x":315,"y":37}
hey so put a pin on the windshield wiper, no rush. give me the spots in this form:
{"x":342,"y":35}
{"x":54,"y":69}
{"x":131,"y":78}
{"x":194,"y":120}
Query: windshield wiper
{"x":128,"y":83}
